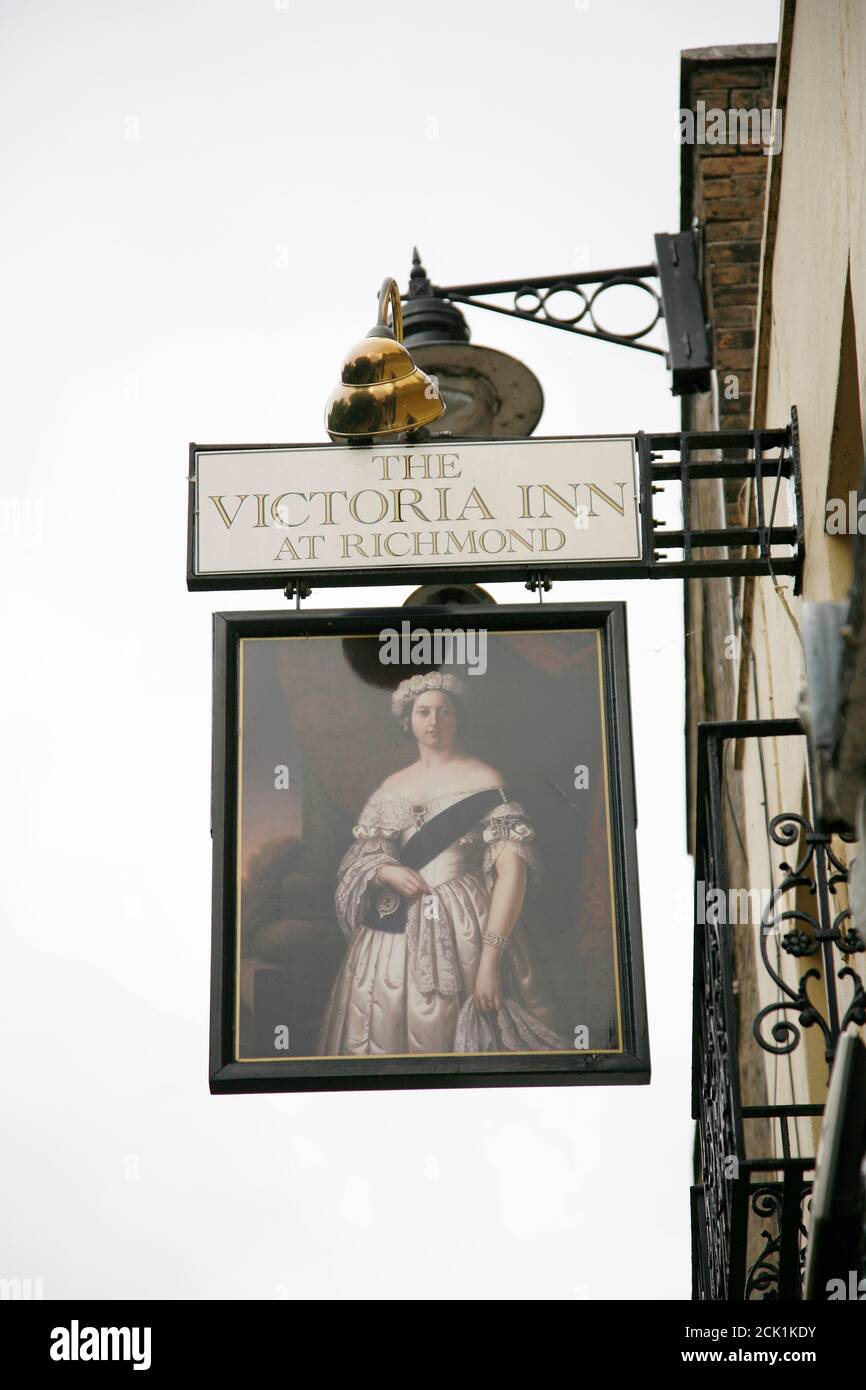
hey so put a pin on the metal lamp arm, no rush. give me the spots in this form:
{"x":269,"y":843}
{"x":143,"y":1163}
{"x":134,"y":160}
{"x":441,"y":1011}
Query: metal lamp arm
{"x":673,"y":282}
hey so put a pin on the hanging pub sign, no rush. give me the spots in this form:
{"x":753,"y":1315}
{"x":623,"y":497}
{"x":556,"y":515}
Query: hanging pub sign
{"x":331,"y":514}
{"x":424,"y":850}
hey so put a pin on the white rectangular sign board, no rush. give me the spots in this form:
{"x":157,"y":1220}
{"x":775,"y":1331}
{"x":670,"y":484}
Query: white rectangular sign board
{"x":262,"y":516}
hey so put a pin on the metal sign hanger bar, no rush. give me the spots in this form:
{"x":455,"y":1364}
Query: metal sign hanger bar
{"x":758,"y":459}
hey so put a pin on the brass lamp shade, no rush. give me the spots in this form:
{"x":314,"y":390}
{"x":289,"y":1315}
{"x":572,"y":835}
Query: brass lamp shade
{"x":381,"y":391}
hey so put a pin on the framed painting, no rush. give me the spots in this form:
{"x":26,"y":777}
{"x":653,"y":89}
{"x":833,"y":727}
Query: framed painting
{"x":425,"y":869}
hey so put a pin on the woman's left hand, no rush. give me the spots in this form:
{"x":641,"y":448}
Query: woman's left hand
{"x":488,"y":990}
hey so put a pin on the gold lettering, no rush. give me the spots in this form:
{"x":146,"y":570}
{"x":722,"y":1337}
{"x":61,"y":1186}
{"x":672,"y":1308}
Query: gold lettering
{"x":286,"y":551}
{"x":482,"y":541}
{"x":461,"y":543}
{"x":399,"y":504}
{"x":410,"y":464}
{"x":527,"y":511}
{"x":431,"y":539}
{"x":548,"y":491}
{"x":386,"y":460}
{"x":353,"y":506}
{"x":443,"y":503}
{"x":522,"y":540}
{"x":328,"y":496}
{"x":479,"y":505}
{"x":218,"y":503}
{"x":551,"y":531}
{"x":389,"y":550}
{"x":446,"y":461}
{"x":617,"y":506}
{"x":280,"y":513}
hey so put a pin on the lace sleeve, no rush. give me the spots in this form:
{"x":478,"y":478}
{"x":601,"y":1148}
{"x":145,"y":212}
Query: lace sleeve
{"x":376,"y":841}
{"x":507,"y":824}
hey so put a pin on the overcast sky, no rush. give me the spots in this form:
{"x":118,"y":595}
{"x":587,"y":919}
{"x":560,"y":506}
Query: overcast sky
{"x":201,"y":200}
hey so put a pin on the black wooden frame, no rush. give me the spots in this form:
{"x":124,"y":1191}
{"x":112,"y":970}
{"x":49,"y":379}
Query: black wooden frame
{"x":631,"y":1066}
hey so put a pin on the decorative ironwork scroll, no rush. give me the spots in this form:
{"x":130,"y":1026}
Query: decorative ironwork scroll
{"x":741,"y":1202}
{"x":535,"y":300}
{"x":813,"y":935}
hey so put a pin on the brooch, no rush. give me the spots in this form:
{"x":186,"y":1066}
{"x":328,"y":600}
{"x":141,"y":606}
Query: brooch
{"x":507,"y":828}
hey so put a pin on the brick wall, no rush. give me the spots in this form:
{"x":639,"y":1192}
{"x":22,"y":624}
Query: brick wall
{"x":723,"y":189}
{"x":724,"y":186}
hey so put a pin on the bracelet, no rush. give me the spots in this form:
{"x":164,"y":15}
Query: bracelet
{"x":492,"y":938}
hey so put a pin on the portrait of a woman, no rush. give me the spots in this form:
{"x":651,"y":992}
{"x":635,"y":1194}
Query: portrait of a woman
{"x":429,"y":898}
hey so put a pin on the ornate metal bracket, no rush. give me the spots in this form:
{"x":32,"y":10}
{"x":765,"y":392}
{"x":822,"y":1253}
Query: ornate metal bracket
{"x":533,"y":299}
{"x":759,"y":457}
{"x":816,"y":934}
{"x":777,"y":1271}
{"x":672,"y":286}
{"x":735,"y":1192}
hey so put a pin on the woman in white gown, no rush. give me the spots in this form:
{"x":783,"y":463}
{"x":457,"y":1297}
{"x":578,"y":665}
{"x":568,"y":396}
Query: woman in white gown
{"x":437,"y":958}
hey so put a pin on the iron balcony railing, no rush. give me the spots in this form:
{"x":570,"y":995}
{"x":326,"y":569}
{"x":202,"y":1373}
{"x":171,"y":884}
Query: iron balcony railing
{"x":749,"y":1214}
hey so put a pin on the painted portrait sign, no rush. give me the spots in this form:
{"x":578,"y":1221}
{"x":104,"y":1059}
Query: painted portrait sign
{"x":424,"y":864}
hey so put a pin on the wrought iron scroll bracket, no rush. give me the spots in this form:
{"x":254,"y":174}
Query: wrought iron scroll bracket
{"x":811,"y":924}
{"x":812,"y":934}
{"x":672,"y":284}
{"x":532,"y":301}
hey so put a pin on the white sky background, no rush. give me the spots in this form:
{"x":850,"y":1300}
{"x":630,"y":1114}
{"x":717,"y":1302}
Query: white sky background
{"x":202,"y":282}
